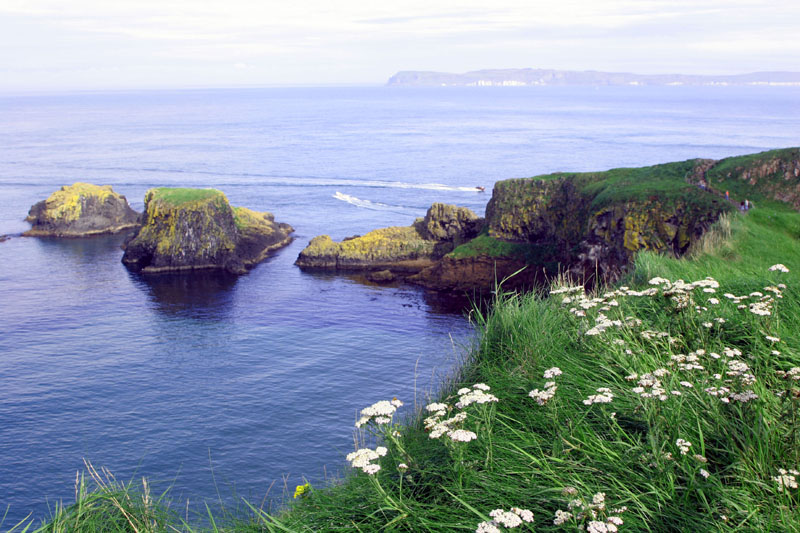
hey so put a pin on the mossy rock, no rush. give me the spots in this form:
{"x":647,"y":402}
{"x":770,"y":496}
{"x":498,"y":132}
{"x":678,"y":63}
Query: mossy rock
{"x":397,"y":248}
{"x":80,"y":210}
{"x":189,"y":229}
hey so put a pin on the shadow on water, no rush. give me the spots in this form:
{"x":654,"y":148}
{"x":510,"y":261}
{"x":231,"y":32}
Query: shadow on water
{"x":438,"y":302}
{"x":84,"y":249}
{"x":197,"y":294}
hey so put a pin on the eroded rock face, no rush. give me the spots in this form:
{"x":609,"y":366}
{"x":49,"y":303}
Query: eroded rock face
{"x":80,"y":210}
{"x":399,"y":249}
{"x":187,"y":229}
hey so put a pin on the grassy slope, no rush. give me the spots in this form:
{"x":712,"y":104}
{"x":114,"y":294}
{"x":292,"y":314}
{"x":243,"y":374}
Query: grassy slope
{"x":527,"y":454}
{"x":177,"y":195}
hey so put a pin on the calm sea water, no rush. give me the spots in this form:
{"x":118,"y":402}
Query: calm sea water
{"x":219,"y":385}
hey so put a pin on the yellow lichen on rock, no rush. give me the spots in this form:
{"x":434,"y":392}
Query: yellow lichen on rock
{"x":81,"y":209}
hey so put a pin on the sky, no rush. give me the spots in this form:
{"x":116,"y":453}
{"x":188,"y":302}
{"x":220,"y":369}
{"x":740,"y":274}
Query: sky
{"x":130,"y":44}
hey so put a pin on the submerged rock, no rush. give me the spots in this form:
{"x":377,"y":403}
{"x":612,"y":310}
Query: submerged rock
{"x":79,"y":210}
{"x":398,"y":249}
{"x":187,"y":229}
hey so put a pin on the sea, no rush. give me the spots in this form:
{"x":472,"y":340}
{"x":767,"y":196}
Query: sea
{"x":221,"y":389}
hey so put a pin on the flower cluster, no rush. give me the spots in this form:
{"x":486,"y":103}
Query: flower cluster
{"x":550,"y":387}
{"x":779,"y":267}
{"x":508,"y":519}
{"x":580,"y":510}
{"x":683,"y":445}
{"x":380,"y":412}
{"x":603,"y":395}
{"x":363,"y":459}
{"x":787,"y":479}
{"x":478,"y":393}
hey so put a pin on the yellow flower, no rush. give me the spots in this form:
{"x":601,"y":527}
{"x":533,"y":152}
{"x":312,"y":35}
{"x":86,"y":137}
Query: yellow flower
{"x":302,"y":490}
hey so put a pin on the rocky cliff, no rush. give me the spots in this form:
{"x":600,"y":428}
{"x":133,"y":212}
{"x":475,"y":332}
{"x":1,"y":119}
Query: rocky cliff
{"x":186,"y":229}
{"x":79,"y":210}
{"x":586,"y":225}
{"x":399,"y":249}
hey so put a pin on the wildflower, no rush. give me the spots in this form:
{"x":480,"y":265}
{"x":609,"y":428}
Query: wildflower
{"x":477,"y":394}
{"x":561,"y":517}
{"x":761,"y":308}
{"x":569,"y":491}
{"x":552,"y":372}
{"x":705,"y":473}
{"x":363,"y":459}
{"x":461,"y":435}
{"x":542,"y":397}
{"x":436,"y":407}
{"x":659,"y":281}
{"x":599,"y":500}
{"x":793,"y":374}
{"x":787,"y":479}
{"x":487,"y":527}
{"x":506,"y":518}
{"x":708,"y":325}
{"x":719,"y":320}
{"x":525,"y":514}
{"x":770,"y":338}
{"x":686,"y":384}
{"x":380,"y":412}
{"x":683,"y":445}
{"x":779,"y":267}
{"x":604,"y":396}
{"x":713,"y":301}
{"x":700,"y":458}
{"x":302,"y":490}
{"x":402,"y":467}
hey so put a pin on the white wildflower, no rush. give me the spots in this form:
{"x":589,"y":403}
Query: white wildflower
{"x":462,"y":435}
{"x":561,"y":517}
{"x":506,"y":518}
{"x":604,"y":396}
{"x":488,"y":527}
{"x":683,"y":445}
{"x":786,"y":480}
{"x":713,"y":301}
{"x":552,"y":372}
{"x":779,"y":267}
{"x":525,"y":514}
{"x":770,"y":338}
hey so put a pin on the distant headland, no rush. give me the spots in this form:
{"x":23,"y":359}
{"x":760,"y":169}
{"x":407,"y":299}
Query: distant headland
{"x":537,"y":76}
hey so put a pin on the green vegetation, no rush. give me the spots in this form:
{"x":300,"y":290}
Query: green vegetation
{"x":180,"y":195}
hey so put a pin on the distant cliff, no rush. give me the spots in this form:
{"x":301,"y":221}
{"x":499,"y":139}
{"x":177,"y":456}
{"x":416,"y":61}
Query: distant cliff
{"x":534,"y":77}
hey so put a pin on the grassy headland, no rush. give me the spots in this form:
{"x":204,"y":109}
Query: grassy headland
{"x":654,"y":405}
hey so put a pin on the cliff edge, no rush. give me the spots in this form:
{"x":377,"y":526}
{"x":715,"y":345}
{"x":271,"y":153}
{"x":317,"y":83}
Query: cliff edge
{"x":80,"y":210}
{"x":187,"y":229}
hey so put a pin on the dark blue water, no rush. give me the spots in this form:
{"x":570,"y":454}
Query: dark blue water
{"x":217,"y":384}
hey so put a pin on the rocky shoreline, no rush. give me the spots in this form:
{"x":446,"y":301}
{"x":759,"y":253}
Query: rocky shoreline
{"x":586,"y":226}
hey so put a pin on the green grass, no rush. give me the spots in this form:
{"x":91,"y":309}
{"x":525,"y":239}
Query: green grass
{"x":179,"y":195}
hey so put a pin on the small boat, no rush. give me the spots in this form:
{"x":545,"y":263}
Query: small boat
{"x":480,"y":189}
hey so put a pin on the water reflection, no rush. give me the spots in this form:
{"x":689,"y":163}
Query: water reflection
{"x":197,"y":294}
{"x":82,"y":250}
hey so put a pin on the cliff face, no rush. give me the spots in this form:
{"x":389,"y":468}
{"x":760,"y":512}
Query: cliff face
{"x":774,"y":175}
{"x":80,"y":210}
{"x":398,"y":249}
{"x":187,"y":229}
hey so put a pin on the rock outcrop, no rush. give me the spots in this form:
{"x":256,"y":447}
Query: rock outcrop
{"x":79,"y":210}
{"x":585,"y":225}
{"x":188,"y":229}
{"x":398,"y":249}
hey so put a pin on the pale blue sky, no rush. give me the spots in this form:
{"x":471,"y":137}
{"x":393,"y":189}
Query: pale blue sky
{"x":99,"y":44}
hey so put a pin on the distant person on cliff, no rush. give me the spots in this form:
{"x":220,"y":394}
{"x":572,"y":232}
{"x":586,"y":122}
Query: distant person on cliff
{"x":727,"y":196}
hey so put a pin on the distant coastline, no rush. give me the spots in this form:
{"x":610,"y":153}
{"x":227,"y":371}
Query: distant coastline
{"x":539,"y":77}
